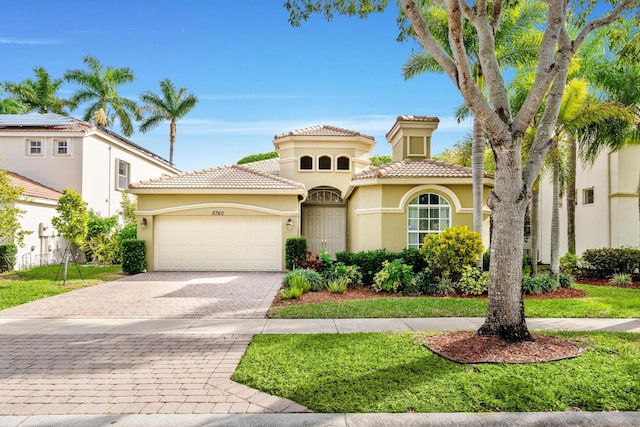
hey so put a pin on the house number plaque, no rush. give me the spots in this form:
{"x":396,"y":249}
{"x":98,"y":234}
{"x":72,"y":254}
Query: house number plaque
{"x":217,"y":213}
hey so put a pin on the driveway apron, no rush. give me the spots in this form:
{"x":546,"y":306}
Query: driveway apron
{"x":145,"y":344}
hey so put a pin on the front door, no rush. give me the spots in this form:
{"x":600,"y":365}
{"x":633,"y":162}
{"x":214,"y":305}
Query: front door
{"x":325,"y":227}
{"x":324,"y":221}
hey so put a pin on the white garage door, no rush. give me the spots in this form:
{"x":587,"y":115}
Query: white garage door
{"x":224,"y":243}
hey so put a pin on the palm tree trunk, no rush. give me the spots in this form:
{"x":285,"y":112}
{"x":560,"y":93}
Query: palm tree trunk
{"x":555,"y":218}
{"x":533,"y":226}
{"x":172,"y":139}
{"x":571,"y":195}
{"x":477,"y":166}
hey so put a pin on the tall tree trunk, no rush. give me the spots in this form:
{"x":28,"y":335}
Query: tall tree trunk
{"x":505,"y":309}
{"x":555,"y":217}
{"x":172,"y":139}
{"x":571,"y":195}
{"x":477,"y":166}
{"x":533,"y":226}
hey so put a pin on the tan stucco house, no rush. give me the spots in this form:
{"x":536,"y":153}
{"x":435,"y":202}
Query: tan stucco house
{"x":321,"y":186}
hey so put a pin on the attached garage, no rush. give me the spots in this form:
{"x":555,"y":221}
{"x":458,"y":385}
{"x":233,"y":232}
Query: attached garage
{"x":212,"y":243}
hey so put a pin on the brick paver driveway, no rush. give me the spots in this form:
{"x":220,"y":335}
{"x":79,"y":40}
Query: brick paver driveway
{"x":182,"y":370}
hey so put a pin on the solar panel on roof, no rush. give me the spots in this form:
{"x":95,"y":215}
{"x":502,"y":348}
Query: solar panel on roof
{"x":34,"y":120}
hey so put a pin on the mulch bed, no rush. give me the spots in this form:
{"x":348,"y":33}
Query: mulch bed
{"x":467,"y":347}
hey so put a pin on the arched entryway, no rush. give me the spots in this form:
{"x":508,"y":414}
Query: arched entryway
{"x":324,"y":220}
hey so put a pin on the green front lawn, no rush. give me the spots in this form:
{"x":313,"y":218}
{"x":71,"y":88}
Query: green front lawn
{"x":601,"y":302}
{"x":40,"y":282}
{"x":392,"y":372}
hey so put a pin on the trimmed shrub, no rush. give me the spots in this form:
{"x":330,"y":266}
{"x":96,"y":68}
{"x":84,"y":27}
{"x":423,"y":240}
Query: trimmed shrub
{"x":570,"y":264}
{"x":606,"y":262}
{"x":540,"y":284}
{"x":413,"y":257}
{"x":295,"y":251}
{"x":394,"y":277}
{"x":315,"y":279}
{"x":473,"y":282}
{"x":8,"y":253}
{"x":133,"y":256}
{"x":369,"y":262}
{"x":450,"y":251}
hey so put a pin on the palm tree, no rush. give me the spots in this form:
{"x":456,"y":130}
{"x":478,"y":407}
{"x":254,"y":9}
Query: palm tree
{"x":517,"y":41}
{"x":171,"y":105}
{"x":10,"y":105}
{"x":100,"y":89}
{"x":39,"y":94}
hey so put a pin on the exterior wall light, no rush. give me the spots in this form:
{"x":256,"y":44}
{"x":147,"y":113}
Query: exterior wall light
{"x":289,"y":224}
{"x":143,"y":223}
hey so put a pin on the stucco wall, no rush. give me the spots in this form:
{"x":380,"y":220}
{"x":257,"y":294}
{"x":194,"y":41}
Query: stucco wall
{"x":39,"y":249}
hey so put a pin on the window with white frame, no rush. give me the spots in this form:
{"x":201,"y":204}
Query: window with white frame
{"x":123,"y":175}
{"x":306,"y":163}
{"x":427,"y":213}
{"x":34,"y":147}
{"x":324,"y":163}
{"x":587,"y":196}
{"x":62,"y":147}
{"x":343,"y":164}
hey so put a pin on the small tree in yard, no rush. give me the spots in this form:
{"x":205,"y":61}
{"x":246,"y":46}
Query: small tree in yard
{"x":73,"y":217}
{"x":567,"y":26}
{"x":128,"y":207}
{"x":10,"y":229}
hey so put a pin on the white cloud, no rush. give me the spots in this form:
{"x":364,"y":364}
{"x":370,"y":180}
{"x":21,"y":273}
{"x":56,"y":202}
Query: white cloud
{"x":28,"y":42}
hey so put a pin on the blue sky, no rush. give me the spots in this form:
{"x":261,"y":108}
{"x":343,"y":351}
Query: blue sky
{"x":255,"y":75}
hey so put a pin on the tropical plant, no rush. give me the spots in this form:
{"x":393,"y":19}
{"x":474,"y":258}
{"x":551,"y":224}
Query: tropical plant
{"x":473,"y":282}
{"x":379,"y":160}
{"x":11,"y":230}
{"x":171,"y":106}
{"x":621,"y":279}
{"x":99,"y":88}
{"x":257,"y":157}
{"x":338,"y":286}
{"x":312,"y":277}
{"x":10,"y":105}
{"x":39,"y":95}
{"x":393,"y":277}
{"x":451,"y":251}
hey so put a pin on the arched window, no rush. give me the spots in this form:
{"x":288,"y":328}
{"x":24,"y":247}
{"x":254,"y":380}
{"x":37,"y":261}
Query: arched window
{"x":324,"y":163}
{"x":306,"y":163}
{"x":343,"y":164}
{"x":427,"y":213}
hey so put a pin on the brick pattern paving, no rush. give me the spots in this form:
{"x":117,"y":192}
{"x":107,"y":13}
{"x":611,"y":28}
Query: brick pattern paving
{"x":141,"y":373}
{"x":163,"y":295}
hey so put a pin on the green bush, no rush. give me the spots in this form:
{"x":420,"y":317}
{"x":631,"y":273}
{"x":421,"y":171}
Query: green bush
{"x":8,"y":253}
{"x":441,"y":286}
{"x":295,"y":251}
{"x":565,"y":280}
{"x":394,"y":277}
{"x":339,"y":285}
{"x":540,"y":284}
{"x":606,"y":262}
{"x":133,"y":256}
{"x":570,"y":264}
{"x":473,"y":282}
{"x":297,"y":285}
{"x":369,"y":262}
{"x":349,"y":273}
{"x":315,"y":279}
{"x":413,"y":257}
{"x":621,"y":279}
{"x":450,"y":251}
{"x":486,"y":260}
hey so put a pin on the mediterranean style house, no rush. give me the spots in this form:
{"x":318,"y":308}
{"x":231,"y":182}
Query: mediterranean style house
{"x":321,"y":186}
{"x":607,"y":204}
{"x":52,"y":152}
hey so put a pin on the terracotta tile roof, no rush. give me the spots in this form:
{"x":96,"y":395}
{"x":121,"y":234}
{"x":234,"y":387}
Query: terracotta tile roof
{"x":428,"y":168}
{"x":269,"y":166}
{"x":323,"y":130}
{"x":237,"y":177}
{"x":32,"y":188}
{"x":410,"y":118}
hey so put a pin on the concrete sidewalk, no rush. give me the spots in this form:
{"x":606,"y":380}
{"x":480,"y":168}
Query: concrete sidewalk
{"x":209,"y":326}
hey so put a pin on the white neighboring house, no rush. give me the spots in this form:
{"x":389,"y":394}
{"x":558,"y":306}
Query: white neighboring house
{"x":58,"y":151}
{"x":43,"y":245}
{"x":607,"y":205}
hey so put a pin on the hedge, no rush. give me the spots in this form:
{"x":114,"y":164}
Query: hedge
{"x":606,"y":262}
{"x":8,"y":254}
{"x":133,"y":256}
{"x":295,"y":251}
